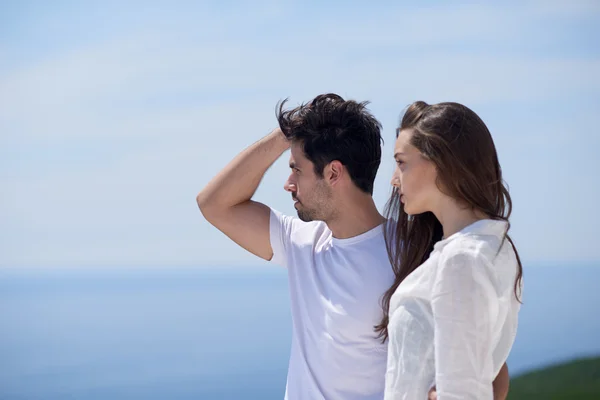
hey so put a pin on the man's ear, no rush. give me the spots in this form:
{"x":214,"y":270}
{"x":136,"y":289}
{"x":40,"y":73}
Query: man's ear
{"x":334,"y":172}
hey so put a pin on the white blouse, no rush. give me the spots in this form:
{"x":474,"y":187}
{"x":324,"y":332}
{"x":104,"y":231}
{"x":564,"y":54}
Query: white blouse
{"x":453,"y":320}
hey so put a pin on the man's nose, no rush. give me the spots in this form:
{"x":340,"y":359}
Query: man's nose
{"x":289,"y":185}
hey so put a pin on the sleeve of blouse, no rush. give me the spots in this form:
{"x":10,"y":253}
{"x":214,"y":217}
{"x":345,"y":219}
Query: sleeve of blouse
{"x":463,"y":303}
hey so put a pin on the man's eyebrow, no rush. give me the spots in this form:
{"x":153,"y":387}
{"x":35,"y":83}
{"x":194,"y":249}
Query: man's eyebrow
{"x":398,"y":154}
{"x":292,"y":165}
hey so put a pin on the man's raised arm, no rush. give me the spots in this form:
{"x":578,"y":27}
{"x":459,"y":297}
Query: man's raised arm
{"x":226,"y":201}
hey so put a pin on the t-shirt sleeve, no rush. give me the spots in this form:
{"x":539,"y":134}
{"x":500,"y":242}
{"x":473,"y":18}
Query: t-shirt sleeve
{"x":280,"y":231}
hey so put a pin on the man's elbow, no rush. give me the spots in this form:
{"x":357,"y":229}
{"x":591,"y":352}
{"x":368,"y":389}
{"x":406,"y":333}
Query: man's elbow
{"x":206,"y":205}
{"x":213,"y":209}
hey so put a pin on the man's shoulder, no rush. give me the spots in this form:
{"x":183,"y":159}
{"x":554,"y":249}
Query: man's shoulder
{"x":303,"y":231}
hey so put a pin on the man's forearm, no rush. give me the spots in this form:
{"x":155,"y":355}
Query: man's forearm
{"x":238,"y":181}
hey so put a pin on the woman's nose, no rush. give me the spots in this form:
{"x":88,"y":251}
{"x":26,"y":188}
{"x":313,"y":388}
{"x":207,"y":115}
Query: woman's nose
{"x":395,"y":180}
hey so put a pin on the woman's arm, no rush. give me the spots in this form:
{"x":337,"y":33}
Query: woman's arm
{"x":500,"y":384}
{"x":464,"y":303}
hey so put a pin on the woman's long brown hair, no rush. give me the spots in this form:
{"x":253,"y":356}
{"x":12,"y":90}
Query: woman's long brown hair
{"x":457,"y":141}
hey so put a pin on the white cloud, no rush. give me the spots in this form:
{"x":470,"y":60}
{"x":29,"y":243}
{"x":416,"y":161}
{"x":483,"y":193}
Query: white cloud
{"x":78,"y":92}
{"x":569,"y":9}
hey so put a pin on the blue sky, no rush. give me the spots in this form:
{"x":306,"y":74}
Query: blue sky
{"x":113,"y":116}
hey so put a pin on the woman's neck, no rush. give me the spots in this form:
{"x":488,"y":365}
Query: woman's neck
{"x":454,"y":216}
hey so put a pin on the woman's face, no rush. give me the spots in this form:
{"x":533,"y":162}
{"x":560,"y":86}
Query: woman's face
{"x":414,"y":176}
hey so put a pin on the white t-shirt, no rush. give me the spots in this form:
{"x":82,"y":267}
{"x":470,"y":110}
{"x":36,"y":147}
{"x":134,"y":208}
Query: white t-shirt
{"x":453,"y":320}
{"x":335,"y":286}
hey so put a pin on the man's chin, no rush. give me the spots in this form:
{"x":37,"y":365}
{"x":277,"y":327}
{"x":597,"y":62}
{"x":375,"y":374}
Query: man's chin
{"x":305,"y":217}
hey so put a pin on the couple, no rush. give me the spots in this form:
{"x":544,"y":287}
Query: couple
{"x":417,"y":304}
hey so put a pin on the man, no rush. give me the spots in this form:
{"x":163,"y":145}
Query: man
{"x":334,"y":251}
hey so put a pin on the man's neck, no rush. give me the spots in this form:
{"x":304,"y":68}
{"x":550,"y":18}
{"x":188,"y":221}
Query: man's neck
{"x":355,"y":217}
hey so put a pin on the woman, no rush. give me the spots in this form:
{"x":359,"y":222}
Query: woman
{"x":451,"y":315}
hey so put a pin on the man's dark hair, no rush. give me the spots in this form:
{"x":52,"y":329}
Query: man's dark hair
{"x":331,"y":128}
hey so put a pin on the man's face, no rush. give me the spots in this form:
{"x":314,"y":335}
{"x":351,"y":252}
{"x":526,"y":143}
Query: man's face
{"x":311,"y":194}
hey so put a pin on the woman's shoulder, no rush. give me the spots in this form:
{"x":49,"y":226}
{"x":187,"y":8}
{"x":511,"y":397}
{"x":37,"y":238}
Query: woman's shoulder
{"x":467,"y":248}
{"x":490,"y":255}
{"x":481,"y":241}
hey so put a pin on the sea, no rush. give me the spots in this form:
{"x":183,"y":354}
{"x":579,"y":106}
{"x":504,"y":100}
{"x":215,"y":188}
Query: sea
{"x":216,"y":332}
